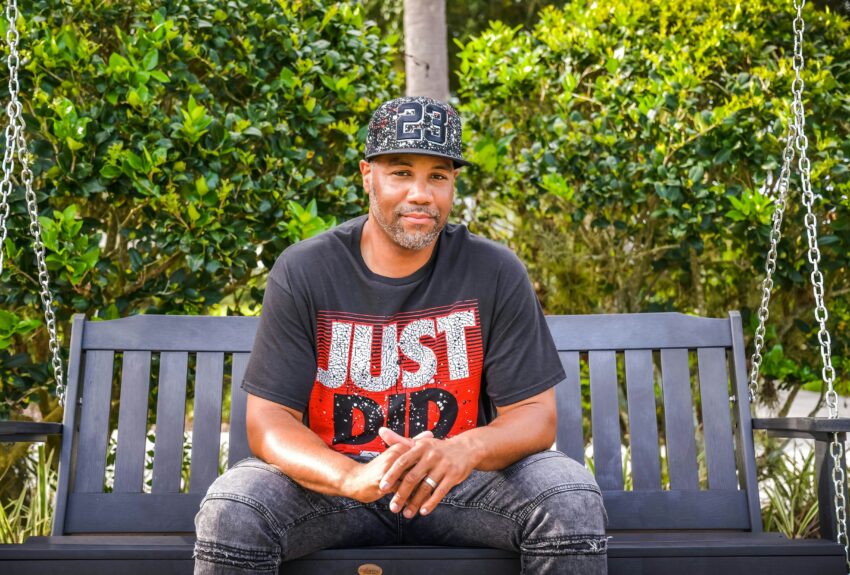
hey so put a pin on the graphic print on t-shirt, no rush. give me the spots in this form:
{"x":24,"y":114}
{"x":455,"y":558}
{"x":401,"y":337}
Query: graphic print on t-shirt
{"x":409,"y":372}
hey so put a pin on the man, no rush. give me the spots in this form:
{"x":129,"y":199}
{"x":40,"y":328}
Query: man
{"x":384,"y":347}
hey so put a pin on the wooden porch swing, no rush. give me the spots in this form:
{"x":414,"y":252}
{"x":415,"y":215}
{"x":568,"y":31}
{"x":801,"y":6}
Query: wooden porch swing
{"x":690,"y":527}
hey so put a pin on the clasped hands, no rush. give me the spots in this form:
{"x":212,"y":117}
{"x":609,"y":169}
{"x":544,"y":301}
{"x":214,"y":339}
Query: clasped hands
{"x":403,"y":467}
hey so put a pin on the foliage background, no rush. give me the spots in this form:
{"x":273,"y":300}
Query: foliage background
{"x":628,"y":151}
{"x":178,"y":147}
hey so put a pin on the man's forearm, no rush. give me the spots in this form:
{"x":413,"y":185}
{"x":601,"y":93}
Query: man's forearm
{"x":510,"y":437}
{"x":275,"y":436}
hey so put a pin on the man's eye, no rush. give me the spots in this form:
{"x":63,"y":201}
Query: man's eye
{"x":401,"y":173}
{"x":439,"y":176}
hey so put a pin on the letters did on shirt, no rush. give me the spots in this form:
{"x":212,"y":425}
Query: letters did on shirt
{"x":403,"y":372}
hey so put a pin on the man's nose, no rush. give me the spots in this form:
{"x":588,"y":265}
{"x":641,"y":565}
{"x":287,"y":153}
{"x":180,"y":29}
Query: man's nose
{"x":419,"y":192}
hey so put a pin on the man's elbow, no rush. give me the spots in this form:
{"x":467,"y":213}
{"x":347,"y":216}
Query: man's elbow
{"x":263,"y":419}
{"x":550,"y":429}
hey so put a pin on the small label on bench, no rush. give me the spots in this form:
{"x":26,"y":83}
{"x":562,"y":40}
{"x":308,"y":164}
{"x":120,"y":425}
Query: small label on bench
{"x":369,"y":569}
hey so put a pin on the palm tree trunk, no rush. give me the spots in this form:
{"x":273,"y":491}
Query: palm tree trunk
{"x":426,"y":48}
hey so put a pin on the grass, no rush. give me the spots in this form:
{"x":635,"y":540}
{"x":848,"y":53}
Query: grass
{"x":31,"y":513}
{"x":790,"y":505}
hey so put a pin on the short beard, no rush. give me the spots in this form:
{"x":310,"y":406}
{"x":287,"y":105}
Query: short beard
{"x":395,"y":230}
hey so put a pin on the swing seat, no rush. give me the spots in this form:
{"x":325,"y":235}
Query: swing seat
{"x":698,"y":526}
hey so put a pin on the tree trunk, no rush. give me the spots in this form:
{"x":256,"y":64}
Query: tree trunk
{"x":426,"y":48}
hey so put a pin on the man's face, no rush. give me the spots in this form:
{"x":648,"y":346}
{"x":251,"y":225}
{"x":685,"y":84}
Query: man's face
{"x":410,"y":196}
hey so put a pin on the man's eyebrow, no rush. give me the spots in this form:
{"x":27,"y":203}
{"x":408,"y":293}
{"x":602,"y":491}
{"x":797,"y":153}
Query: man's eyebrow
{"x":447,"y":167}
{"x":398,"y":161}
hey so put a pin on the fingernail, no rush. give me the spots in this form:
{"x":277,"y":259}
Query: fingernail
{"x":423,"y":511}
{"x":384,"y":485}
{"x":408,"y":513}
{"x":394,"y":507}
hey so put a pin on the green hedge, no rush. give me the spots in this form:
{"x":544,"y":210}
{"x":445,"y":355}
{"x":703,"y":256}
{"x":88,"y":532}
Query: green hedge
{"x":178,"y":148}
{"x":623,"y":148}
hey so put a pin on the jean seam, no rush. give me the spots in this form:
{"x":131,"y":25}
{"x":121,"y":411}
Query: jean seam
{"x":250,"y":502}
{"x":255,"y":463}
{"x":564,"y":488}
{"x":323,"y":512}
{"x":514,"y":469}
{"x":483,"y":507}
{"x":252,"y":462}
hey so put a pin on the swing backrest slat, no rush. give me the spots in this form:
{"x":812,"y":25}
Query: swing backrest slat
{"x":643,"y":424}
{"x":679,"y":419}
{"x":94,"y":423}
{"x":170,"y":416}
{"x":238,"y":399}
{"x":716,"y":417}
{"x":660,"y":408}
{"x":206,"y":435}
{"x":570,"y":439}
{"x":132,"y":422}
{"x":605,"y":420}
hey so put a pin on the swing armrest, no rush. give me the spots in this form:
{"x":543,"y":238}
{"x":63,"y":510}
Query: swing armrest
{"x":27,"y":431}
{"x":819,"y":428}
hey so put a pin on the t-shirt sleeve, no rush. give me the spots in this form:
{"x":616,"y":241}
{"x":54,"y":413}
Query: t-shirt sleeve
{"x":282,"y":367}
{"x":521,"y":359}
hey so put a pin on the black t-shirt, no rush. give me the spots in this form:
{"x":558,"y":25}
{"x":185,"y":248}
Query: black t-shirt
{"x":435,"y":350}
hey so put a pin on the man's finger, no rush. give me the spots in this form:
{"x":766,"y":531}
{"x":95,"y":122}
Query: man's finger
{"x":443,"y":487}
{"x":420,"y":495}
{"x":390,"y":437}
{"x":400,"y":467}
{"x":412,"y":480}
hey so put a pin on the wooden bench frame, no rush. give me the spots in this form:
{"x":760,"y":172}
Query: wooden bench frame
{"x":653,"y":530}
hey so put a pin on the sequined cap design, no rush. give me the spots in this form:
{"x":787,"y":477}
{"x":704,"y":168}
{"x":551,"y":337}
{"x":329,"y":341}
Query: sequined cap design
{"x":416,"y":125}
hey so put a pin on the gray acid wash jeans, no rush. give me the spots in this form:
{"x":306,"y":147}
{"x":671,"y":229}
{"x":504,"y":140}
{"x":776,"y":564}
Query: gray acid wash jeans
{"x":546,"y":506}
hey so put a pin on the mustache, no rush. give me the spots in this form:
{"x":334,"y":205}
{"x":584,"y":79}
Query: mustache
{"x":403,"y":211}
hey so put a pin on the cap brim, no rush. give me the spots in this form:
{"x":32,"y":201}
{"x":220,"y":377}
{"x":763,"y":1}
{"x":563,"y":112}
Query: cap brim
{"x":459,"y":162}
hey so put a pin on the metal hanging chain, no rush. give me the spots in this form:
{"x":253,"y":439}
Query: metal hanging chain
{"x":770,"y":264}
{"x":828,"y":372}
{"x":797,"y":140}
{"x":16,"y":143}
{"x":11,"y":135}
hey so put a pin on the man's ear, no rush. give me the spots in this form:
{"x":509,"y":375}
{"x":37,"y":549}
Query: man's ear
{"x":366,"y":173}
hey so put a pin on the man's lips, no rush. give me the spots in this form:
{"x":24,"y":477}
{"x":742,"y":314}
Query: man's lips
{"x":418,"y":218}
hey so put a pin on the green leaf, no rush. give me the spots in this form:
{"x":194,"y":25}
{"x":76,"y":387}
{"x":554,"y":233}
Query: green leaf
{"x":73,"y":144}
{"x":201,"y":186}
{"x":195,"y":261}
{"x":695,"y":174}
{"x":193,"y":213}
{"x":287,"y":77}
{"x":110,"y":171}
{"x":117,"y":62}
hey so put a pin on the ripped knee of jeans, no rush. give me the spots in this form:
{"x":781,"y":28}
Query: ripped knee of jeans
{"x":251,"y":560}
{"x":587,"y":544}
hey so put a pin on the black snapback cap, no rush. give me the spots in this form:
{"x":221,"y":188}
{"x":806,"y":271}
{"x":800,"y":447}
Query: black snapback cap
{"x":415,"y":125}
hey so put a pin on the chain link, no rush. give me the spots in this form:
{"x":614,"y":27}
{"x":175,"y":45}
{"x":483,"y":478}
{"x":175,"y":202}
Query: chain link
{"x":16,"y":144}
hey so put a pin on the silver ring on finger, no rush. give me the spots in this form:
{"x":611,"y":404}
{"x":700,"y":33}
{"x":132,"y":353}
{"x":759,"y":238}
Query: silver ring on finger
{"x":430,"y":482}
